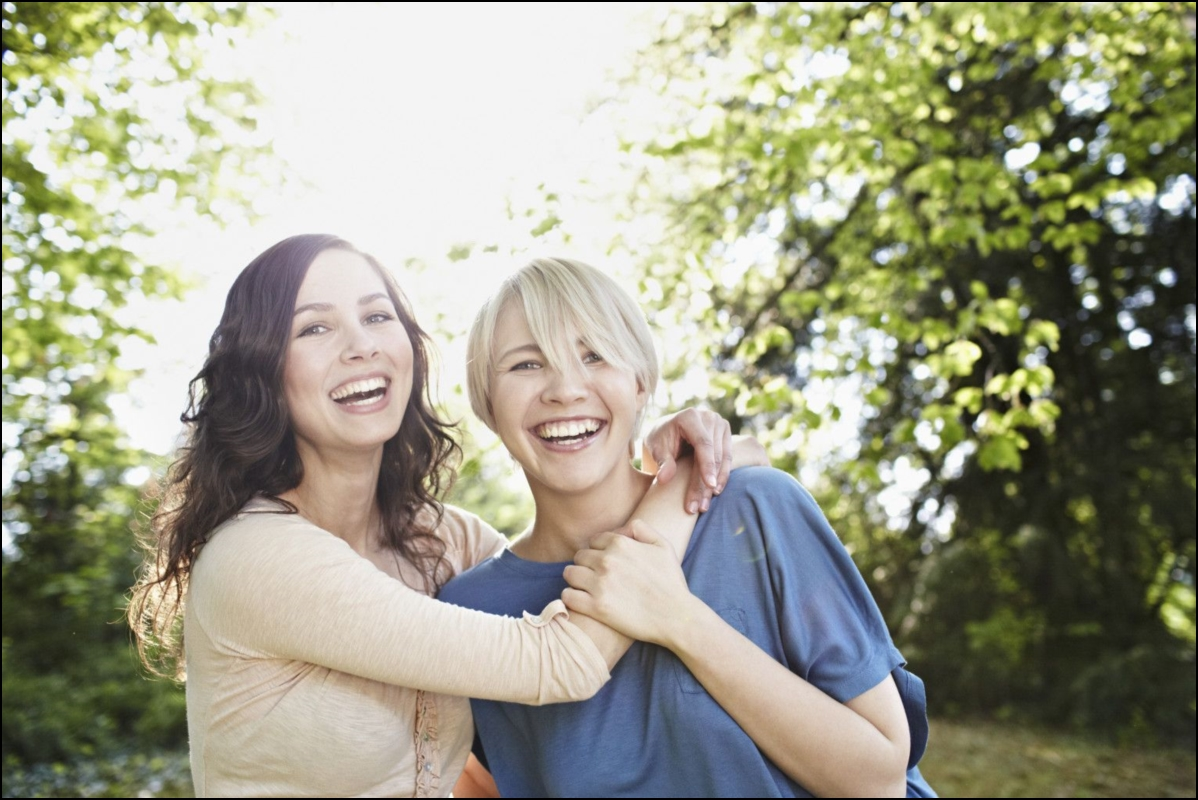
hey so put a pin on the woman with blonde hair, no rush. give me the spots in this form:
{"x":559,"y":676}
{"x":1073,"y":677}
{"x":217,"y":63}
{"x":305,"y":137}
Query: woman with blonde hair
{"x":763,"y":667}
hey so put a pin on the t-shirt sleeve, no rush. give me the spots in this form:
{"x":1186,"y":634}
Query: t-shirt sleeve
{"x":275,"y":586}
{"x":833,"y":634}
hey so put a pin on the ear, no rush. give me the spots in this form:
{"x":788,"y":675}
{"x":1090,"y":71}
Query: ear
{"x":490,"y":420}
{"x":642,"y":398}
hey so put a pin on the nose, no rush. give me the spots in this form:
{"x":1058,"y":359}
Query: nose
{"x":567,"y":385}
{"x":359,"y":344}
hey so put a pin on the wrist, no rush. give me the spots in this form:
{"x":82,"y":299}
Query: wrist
{"x":684,"y":634}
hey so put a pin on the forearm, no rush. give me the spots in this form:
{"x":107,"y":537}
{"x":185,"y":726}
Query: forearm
{"x":661,"y":508}
{"x":826,"y":746}
{"x":475,"y":781}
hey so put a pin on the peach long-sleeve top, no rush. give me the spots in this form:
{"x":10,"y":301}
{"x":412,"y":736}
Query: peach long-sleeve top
{"x":310,"y":672}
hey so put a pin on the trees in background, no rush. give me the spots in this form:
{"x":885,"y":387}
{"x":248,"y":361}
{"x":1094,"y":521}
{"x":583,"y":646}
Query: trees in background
{"x":111,"y":115}
{"x":941,"y":256}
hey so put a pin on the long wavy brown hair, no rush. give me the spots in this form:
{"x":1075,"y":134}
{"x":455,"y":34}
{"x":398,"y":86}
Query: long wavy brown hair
{"x":240,"y":445}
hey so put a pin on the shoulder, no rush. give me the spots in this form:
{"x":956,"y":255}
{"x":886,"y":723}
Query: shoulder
{"x":260,"y":521}
{"x":258,"y":557}
{"x":460,"y":529}
{"x":769,"y":505}
{"x":263,"y":536}
{"x":767,"y":488}
{"x":477,"y":586}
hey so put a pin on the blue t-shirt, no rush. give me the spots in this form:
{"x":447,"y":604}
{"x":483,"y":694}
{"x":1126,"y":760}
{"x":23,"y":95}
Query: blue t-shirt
{"x":765,"y":559}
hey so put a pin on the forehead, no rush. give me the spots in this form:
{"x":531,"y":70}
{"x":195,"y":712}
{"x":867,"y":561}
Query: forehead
{"x":512,"y":330}
{"x":339,"y":276}
{"x":511,"y":327}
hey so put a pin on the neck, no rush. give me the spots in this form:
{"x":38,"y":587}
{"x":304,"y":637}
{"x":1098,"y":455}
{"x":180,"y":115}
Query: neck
{"x":567,"y":522}
{"x":338,"y":494}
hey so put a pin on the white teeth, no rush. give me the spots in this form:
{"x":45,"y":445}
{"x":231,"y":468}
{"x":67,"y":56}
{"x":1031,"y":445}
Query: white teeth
{"x":362,"y":402}
{"x":358,"y":387}
{"x":568,"y":430}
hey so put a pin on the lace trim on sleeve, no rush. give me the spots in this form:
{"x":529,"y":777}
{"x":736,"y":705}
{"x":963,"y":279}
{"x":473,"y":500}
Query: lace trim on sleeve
{"x":428,"y":748}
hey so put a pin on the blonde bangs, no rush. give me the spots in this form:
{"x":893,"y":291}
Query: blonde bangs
{"x":564,"y":302}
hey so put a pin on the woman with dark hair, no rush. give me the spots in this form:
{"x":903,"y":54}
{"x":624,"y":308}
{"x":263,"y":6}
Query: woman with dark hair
{"x":300,"y":540}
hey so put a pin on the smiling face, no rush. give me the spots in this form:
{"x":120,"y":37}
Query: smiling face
{"x":348,"y":372}
{"x":569,"y":427}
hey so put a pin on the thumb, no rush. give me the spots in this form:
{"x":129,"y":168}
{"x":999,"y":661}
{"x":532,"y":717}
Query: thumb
{"x":666,"y":468}
{"x":643,"y":532}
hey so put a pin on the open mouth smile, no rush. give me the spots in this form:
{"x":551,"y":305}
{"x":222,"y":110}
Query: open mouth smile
{"x":566,"y":432}
{"x":361,"y":392}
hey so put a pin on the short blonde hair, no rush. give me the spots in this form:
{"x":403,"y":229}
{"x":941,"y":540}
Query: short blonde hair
{"x":562,"y":298}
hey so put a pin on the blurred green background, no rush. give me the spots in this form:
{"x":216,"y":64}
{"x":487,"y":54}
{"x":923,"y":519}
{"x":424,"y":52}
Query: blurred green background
{"x":939,"y":258}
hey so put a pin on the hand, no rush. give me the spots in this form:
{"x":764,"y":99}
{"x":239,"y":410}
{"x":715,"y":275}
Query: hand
{"x":630,"y":580}
{"x":709,"y":435}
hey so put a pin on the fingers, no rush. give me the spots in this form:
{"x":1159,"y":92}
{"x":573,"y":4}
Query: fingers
{"x":578,"y":601}
{"x":661,"y":443}
{"x":666,"y":470}
{"x":643,"y":532}
{"x":604,"y":540}
{"x":580,"y":577}
{"x":698,"y":493}
{"x":696,"y":425}
{"x":650,"y":457}
{"x":726,"y":460}
{"x":718,"y":446}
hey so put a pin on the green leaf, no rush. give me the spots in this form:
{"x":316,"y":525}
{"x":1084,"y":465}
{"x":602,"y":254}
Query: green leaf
{"x":1000,"y":453}
{"x":960,"y":356}
{"x":969,"y":398}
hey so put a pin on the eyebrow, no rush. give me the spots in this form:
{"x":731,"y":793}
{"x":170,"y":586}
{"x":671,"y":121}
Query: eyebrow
{"x":533,"y":348}
{"x":523,"y":348}
{"x":364,"y":300}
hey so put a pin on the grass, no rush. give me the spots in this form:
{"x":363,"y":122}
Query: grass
{"x":964,"y":759}
{"x":992,"y":759}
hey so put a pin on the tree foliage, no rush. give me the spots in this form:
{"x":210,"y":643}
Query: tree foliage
{"x":943,"y":256}
{"x":110,"y":116}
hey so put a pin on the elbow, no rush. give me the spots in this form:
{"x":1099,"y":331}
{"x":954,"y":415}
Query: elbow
{"x":887,"y":785}
{"x":592,"y":687}
{"x":575,"y":692}
{"x":894,"y":788}
{"x":886,"y":777}
{"x":865,"y":785}
{"x":576,"y":678}
{"x":892,"y":782}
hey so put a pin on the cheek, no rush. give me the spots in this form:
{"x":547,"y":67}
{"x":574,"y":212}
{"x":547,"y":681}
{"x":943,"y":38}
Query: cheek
{"x":401,"y":348}
{"x":626,"y":393}
{"x":293,"y":374}
{"x":302,"y":384}
{"x":507,"y":402}
{"x":295,"y":398}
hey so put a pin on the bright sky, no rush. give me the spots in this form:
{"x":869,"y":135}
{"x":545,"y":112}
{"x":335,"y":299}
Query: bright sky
{"x":413,"y":123}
